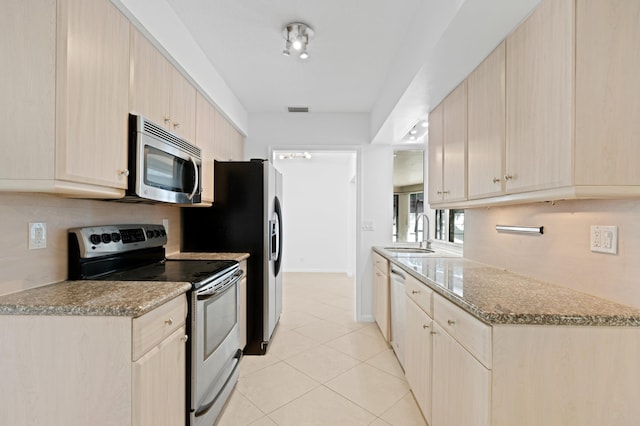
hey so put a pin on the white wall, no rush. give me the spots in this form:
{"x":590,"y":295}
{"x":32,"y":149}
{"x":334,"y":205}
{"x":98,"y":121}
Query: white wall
{"x":348,"y":131}
{"x":562,"y":254}
{"x":317,"y":212}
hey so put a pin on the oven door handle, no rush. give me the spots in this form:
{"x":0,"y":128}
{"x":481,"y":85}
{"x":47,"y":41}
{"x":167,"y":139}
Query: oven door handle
{"x":213,"y":292}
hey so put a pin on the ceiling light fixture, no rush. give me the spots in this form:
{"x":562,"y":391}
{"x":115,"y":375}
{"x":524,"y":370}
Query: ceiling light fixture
{"x":417,"y":132}
{"x":295,"y":155}
{"x":297,"y":36}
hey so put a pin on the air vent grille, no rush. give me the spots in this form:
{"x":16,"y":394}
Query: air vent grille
{"x":298,"y":109}
{"x":159,"y":132}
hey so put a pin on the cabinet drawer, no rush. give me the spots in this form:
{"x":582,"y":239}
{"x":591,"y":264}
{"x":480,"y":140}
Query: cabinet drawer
{"x":471,"y":333}
{"x":381,"y":263}
{"x":153,"y":327}
{"x":419,"y":293}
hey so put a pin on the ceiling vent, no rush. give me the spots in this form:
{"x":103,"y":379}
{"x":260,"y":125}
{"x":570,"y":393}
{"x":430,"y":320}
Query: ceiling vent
{"x":298,"y":109}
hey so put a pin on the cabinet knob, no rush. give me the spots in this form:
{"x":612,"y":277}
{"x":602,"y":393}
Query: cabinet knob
{"x":496,"y":180}
{"x":508,"y":177}
{"x":124,"y":172}
{"x":415,"y":291}
{"x":168,"y":321}
{"x":185,"y":338}
{"x":425,"y":326}
{"x":451,"y":322}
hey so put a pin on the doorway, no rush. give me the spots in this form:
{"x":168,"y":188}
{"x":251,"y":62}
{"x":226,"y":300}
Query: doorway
{"x":319,"y":210}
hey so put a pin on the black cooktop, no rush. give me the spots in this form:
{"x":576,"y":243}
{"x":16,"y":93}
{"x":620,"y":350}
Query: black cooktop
{"x":193,"y":271}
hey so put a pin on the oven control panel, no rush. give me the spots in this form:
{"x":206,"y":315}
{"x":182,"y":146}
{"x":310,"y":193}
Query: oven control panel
{"x":110,"y":239}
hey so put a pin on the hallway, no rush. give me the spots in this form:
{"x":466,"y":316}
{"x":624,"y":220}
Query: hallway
{"x":322,"y":368}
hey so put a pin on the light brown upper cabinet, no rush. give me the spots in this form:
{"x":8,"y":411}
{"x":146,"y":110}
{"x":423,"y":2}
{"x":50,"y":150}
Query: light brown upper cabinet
{"x":65,"y":97}
{"x":449,"y":147}
{"x":205,"y":140}
{"x":486,"y":126}
{"x":229,"y":145}
{"x":607,"y":111}
{"x":158,"y":90}
{"x":568,"y":77}
{"x":539,"y":117}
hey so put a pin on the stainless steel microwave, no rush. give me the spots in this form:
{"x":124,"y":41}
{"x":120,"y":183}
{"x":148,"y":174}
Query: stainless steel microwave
{"x":162,"y":166}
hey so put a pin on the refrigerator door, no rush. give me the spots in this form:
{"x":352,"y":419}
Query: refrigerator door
{"x":273,"y":289}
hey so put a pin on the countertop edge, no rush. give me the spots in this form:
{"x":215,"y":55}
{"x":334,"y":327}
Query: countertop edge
{"x":510,"y":318}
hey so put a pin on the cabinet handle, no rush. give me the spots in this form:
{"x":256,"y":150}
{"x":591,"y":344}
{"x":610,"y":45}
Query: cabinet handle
{"x":439,"y":192}
{"x":451,"y":322}
{"x":168,"y":321}
{"x":446,"y":192}
{"x":496,"y":180}
{"x":415,"y":291}
{"x":185,"y":338}
{"x":167,"y":120}
{"x":124,"y":172}
{"x":176,"y":125}
{"x":425,"y":326}
{"x":508,"y":177}
{"x":433,"y":333}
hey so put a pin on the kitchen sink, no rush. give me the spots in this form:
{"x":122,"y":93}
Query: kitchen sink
{"x":408,"y":250}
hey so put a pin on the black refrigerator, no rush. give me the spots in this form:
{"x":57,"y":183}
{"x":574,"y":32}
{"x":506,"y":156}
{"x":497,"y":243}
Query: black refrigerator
{"x":246,"y":216}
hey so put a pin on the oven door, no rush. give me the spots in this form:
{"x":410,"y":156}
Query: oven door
{"x":215,"y":348}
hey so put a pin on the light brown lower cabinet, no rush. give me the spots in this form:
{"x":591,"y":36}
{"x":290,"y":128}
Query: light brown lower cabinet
{"x":94,"y":370}
{"x":465,"y":372}
{"x":381,"y":296}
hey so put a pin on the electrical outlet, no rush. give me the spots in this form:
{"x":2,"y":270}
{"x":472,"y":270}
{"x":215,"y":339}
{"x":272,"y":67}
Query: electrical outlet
{"x":37,"y":235}
{"x":604,"y":239}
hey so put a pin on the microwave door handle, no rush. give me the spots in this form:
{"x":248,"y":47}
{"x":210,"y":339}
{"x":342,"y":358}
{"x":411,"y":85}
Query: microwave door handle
{"x":196,"y":184}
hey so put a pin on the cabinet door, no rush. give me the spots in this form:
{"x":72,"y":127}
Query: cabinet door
{"x":418,"y":362}
{"x":27,"y":89}
{"x":486,"y":126}
{"x":237,"y":144}
{"x":150,"y":81}
{"x":92,"y":93}
{"x":381,"y":301}
{"x":607,"y":84}
{"x":461,"y":385}
{"x":221,"y":145}
{"x":539,"y":84}
{"x":183,"y":107}
{"x":455,"y":145}
{"x":159,"y":384}
{"x":205,"y":134}
{"x":436,"y":138}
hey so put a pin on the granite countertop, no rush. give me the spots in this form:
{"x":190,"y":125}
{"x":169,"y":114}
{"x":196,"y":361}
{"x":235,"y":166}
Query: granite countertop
{"x":497,"y":296}
{"x":92,"y":298}
{"x":239,"y":257}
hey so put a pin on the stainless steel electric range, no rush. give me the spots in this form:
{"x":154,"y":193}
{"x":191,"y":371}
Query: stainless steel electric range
{"x":136,"y":253}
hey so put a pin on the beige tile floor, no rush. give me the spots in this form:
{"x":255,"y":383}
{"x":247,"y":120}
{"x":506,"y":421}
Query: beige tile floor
{"x":323,"y":368}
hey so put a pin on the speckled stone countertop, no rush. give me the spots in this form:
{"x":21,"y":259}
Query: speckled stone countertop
{"x":496,"y":296}
{"x":92,"y":298}
{"x":239,"y":257}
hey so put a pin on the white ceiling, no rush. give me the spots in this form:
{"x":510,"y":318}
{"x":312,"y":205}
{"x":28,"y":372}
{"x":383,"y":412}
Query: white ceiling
{"x":391,"y":59}
{"x":351,"y":53}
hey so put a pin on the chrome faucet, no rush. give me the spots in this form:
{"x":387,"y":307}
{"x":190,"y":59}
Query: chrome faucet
{"x":425,"y":231}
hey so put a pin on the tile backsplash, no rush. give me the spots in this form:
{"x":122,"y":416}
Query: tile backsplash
{"x":562,"y":255}
{"x":22,"y":268}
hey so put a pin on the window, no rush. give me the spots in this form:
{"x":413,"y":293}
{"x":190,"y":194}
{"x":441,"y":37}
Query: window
{"x":450,"y":225}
